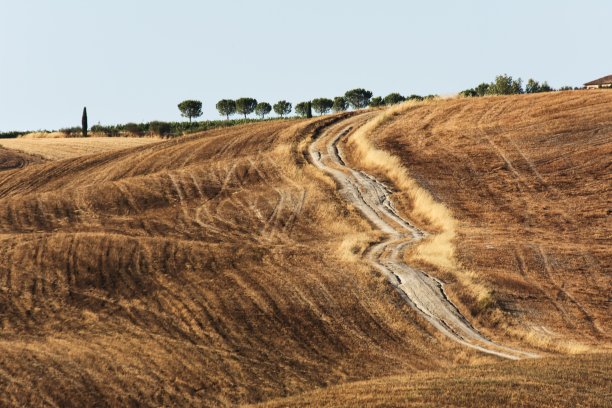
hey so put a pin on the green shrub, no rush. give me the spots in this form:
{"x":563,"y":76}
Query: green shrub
{"x":505,"y":85}
{"x":71,"y":131}
{"x":393,"y":99}
{"x":160,"y":128}
{"x":12,"y":134}
{"x":469,"y":93}
{"x":132,"y":128}
{"x":376,"y":102}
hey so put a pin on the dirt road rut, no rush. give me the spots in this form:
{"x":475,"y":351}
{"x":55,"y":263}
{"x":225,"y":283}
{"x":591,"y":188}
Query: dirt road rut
{"x":373,"y":198}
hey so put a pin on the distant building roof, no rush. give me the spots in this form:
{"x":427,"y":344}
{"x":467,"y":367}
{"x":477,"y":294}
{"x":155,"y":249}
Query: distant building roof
{"x":601,"y":81}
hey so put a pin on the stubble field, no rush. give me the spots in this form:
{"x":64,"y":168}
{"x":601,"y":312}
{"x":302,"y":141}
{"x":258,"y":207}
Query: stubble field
{"x":225,"y":268}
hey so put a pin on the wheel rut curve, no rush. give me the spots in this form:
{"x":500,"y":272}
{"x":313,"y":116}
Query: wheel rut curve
{"x":420,"y":290}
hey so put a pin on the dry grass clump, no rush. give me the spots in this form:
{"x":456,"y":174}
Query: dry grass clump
{"x":43,"y":135}
{"x":545,"y":340}
{"x":438,"y":249}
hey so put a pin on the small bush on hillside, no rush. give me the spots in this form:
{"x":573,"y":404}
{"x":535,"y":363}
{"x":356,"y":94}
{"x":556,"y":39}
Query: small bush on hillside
{"x":415,"y":98}
{"x":469,"y":93}
{"x":482,"y":89}
{"x":12,"y":135}
{"x":110,"y":131}
{"x":546,"y":88}
{"x":393,"y":98}
{"x":71,"y":131}
{"x":132,"y":128}
{"x":66,"y":131}
{"x":376,"y":102}
{"x":505,"y":85}
{"x":534,"y":86}
{"x":160,"y":128}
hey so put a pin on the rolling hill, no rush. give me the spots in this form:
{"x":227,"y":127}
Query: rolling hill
{"x":527,"y":181}
{"x":254,"y":263}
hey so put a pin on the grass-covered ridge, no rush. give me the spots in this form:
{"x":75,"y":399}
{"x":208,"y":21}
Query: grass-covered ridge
{"x":153,"y":128}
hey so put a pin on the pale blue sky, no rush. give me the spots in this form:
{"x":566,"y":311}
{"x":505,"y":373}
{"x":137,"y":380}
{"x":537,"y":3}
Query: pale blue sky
{"x":134,"y":60}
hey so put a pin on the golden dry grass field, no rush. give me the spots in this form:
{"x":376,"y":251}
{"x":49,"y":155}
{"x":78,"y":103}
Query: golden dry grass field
{"x":527,"y":180}
{"x":224,"y":268}
{"x":581,"y":381}
{"x":64,"y":148}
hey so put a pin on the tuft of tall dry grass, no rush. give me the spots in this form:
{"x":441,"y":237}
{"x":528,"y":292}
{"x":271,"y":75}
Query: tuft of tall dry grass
{"x":43,"y":135}
{"x":438,"y":249}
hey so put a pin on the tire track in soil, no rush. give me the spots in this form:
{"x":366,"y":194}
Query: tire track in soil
{"x":421,"y":291}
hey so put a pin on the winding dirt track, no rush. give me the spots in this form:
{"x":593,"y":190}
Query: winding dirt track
{"x":373,"y":198}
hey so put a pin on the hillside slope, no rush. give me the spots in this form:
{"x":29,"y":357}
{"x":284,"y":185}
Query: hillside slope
{"x":227,"y":268}
{"x":580,"y":381}
{"x":527,"y":181}
{"x":212,"y":269}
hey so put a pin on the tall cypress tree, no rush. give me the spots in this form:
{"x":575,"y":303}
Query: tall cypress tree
{"x":309,"y":110}
{"x":84,"y":122}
